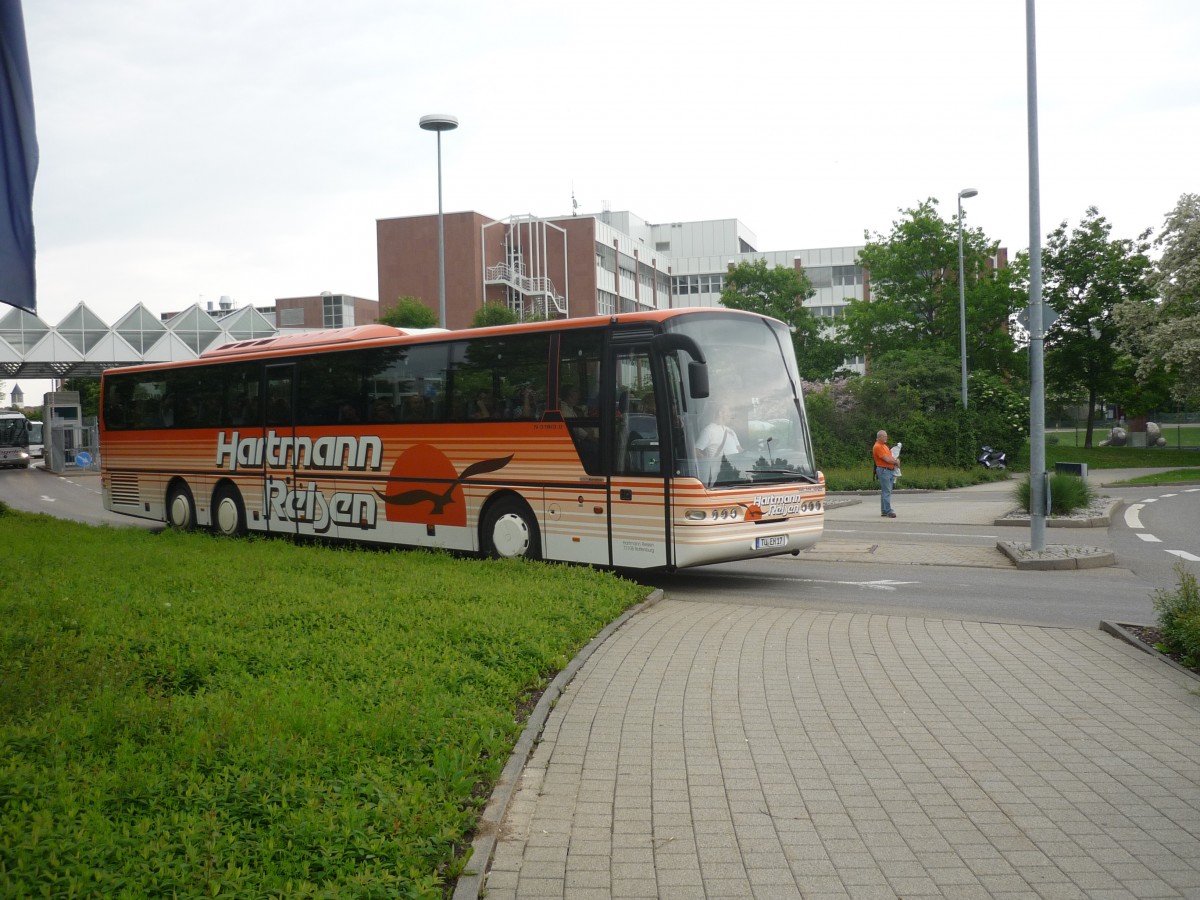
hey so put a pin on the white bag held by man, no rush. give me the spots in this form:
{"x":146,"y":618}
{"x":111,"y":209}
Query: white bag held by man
{"x":896,"y":453}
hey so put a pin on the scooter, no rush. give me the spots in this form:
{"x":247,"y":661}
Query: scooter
{"x":993,"y":459}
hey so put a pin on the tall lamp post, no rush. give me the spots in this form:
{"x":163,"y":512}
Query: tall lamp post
{"x":439,"y":123}
{"x":962,"y":295}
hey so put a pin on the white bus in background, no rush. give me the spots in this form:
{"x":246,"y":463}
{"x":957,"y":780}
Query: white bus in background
{"x":14,"y":439}
{"x":37,"y":448}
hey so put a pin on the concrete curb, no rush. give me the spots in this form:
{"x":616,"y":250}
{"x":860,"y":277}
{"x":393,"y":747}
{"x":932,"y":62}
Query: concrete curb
{"x":1056,"y":556}
{"x":1130,"y":638}
{"x":470,"y":883}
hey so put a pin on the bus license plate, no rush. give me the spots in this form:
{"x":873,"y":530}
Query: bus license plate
{"x":770,"y":543}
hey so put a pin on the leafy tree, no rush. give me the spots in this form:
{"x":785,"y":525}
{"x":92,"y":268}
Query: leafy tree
{"x":410,"y":312}
{"x":494,"y":312}
{"x":1086,"y":275}
{"x":1140,"y":390}
{"x":935,"y":379}
{"x":915,"y":299}
{"x":1163,"y":334}
{"x":780,"y":292}
{"x":89,"y":394}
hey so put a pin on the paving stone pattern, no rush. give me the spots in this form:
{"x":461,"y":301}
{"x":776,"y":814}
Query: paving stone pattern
{"x":722,"y":751}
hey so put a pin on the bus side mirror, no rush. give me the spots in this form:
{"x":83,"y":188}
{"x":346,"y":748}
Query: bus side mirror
{"x":697,"y":369}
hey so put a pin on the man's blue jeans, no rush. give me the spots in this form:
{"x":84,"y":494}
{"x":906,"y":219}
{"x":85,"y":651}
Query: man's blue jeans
{"x":887,"y":478}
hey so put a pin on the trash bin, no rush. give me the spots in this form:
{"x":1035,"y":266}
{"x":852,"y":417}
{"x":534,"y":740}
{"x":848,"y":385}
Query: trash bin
{"x":1071,"y":468}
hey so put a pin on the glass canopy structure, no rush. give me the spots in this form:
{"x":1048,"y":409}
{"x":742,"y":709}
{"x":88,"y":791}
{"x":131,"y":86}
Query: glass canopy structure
{"x":83,"y":346}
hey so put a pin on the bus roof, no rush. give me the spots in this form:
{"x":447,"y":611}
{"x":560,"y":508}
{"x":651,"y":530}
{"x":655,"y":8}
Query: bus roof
{"x":317,"y":339}
{"x":283,"y":344}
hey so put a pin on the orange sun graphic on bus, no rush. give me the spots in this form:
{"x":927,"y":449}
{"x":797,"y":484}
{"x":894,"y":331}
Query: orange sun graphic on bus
{"x":425,"y":489}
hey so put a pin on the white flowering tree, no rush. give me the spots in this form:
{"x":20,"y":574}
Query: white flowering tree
{"x":1162,"y":334}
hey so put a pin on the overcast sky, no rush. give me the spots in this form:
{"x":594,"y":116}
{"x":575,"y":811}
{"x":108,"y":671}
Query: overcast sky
{"x":246,"y":147}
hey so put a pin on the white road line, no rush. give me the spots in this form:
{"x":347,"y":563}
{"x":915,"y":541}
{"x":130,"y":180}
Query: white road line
{"x":1183,"y":554}
{"x":880,"y":585}
{"x":1149,"y":537}
{"x":1191,"y":490}
{"x":985,"y":537}
{"x":1150,"y":500}
{"x":1131,"y":516}
{"x":1165,"y":496}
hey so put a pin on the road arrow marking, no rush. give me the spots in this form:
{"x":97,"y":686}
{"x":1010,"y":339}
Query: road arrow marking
{"x":1131,"y":515}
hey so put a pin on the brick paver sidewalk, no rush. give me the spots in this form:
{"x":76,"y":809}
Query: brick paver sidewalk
{"x":711,"y":750}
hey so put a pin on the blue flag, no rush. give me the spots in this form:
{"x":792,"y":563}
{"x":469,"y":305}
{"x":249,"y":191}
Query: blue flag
{"x":19,"y":158}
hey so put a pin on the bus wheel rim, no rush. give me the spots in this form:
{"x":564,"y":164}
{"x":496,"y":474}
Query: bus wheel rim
{"x":227,"y":516}
{"x":510,"y":535}
{"x":180,"y":512}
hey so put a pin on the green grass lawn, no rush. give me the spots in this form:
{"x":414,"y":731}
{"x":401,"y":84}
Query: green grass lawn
{"x":1173,"y":476}
{"x":1177,"y":436}
{"x":182,"y":715}
{"x":1121,"y":457}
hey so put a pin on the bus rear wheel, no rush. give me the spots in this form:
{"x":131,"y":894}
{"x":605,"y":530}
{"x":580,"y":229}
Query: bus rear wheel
{"x":181,"y":509}
{"x":229,"y":513}
{"x":510,"y":531}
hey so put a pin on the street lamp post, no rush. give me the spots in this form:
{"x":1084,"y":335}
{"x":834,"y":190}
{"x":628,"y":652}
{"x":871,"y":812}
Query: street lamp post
{"x":962,"y":295}
{"x":439,"y":123}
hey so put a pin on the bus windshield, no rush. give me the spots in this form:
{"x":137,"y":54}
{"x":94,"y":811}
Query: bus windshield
{"x":751,"y":429}
{"x":14,"y":430}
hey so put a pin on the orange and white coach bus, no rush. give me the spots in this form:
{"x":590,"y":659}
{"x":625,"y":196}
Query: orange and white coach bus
{"x":652,"y":440}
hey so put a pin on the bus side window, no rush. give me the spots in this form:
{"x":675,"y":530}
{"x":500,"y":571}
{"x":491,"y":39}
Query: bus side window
{"x":579,"y":382}
{"x":635,"y":442}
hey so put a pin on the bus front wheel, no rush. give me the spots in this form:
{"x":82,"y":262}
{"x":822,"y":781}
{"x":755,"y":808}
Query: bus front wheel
{"x":510,"y":531}
{"x":181,"y":509}
{"x":229,"y":513}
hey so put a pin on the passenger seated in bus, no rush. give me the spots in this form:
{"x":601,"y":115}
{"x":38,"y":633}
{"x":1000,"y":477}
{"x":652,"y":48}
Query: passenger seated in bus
{"x":382,"y":411}
{"x":481,"y":407}
{"x":525,"y":403}
{"x":569,"y":403}
{"x":416,"y":409}
{"x":188,"y":414}
{"x":247,"y":412}
{"x":348,"y":414}
{"x":210,"y":412}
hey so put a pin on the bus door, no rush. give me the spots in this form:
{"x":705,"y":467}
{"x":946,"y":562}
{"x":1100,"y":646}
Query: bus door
{"x":639,"y":520}
{"x":279,"y":458}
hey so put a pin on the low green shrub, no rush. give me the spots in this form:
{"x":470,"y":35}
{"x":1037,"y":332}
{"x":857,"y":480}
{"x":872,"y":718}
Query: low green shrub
{"x":1179,"y":617}
{"x":931,"y":478}
{"x":1068,"y":493}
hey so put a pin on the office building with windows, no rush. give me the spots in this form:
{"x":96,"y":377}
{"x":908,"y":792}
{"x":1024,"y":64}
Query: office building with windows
{"x":324,"y":310}
{"x":582,"y":265}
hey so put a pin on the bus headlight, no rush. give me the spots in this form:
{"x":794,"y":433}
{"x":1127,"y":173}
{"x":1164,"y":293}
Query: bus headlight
{"x":720,"y":514}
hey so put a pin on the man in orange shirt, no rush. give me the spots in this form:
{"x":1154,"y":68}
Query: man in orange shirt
{"x":885,"y":471}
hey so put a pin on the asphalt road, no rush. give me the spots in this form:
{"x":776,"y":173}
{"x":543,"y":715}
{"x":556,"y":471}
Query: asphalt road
{"x":74,"y":495}
{"x":942,"y":560}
